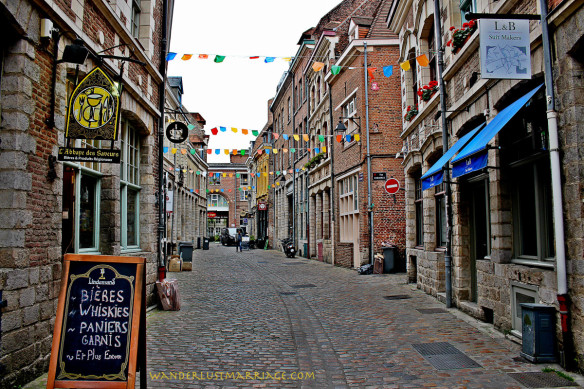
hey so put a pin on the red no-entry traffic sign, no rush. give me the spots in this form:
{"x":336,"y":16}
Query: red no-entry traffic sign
{"x":392,"y":186}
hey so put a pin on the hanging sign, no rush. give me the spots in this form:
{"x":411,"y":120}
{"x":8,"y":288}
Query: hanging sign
{"x":177,"y":132}
{"x":505,"y":49}
{"x":211,"y":215}
{"x":262,"y":206}
{"x":100,"y":318}
{"x":73,"y":154}
{"x":94,"y":108}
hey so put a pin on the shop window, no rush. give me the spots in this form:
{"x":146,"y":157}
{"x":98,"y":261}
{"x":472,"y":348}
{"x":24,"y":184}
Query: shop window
{"x":419,"y":205}
{"x":130,"y":187}
{"x":441,"y":229}
{"x":349,"y":208}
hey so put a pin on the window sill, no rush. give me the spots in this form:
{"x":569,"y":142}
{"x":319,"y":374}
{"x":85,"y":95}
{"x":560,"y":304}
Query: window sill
{"x":533,"y":263}
{"x":131,"y":250}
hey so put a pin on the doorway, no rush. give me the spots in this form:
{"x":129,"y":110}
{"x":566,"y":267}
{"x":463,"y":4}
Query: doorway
{"x":480,"y":231}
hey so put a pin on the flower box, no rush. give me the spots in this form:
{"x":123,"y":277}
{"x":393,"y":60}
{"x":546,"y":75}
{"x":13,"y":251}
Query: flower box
{"x":461,"y":36}
{"x":427,"y":91}
{"x":411,"y":112}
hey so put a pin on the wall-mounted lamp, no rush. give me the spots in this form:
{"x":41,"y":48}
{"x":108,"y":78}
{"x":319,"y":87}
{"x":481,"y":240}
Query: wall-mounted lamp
{"x":341,"y":126}
{"x":75,"y":53}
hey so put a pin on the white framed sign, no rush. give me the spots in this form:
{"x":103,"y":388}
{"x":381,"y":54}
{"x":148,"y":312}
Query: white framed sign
{"x":505,"y":49}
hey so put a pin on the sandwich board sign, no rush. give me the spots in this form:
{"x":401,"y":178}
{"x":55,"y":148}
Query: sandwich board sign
{"x":99,"y":337}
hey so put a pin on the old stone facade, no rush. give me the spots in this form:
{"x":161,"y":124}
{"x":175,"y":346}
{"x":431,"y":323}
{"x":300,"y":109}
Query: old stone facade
{"x":503,"y":237}
{"x":49,"y":207}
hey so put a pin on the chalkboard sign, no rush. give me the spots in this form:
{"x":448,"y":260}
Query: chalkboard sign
{"x":99,"y":320}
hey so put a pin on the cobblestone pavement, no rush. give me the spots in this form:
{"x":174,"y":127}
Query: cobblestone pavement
{"x":259,"y":319}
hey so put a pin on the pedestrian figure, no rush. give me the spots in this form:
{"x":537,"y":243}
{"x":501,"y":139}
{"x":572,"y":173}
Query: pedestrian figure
{"x":238,"y":247}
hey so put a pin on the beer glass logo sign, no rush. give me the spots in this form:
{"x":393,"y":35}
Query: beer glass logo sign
{"x":93,"y":108}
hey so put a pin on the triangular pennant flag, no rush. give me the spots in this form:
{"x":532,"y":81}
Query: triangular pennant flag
{"x":292,"y":150}
{"x":230,"y":175}
{"x":236,"y":175}
{"x":254,"y":57}
{"x":339,"y":138}
{"x":229,"y":190}
{"x":297,"y":170}
{"x":191,"y":127}
{"x":203,"y":56}
{"x":277,"y":183}
{"x":324,"y":149}
{"x":290,"y":171}
{"x":217,"y":151}
{"x":219,"y":58}
{"x":222,"y":129}
{"x":287,"y":59}
{"x":234,"y":152}
{"x":244,"y":131}
{"x":275,"y":151}
{"x":285,"y":150}
{"x":183,"y":151}
{"x":260,"y":151}
{"x":370,"y":71}
{"x":165,"y":150}
{"x":269,"y":59}
{"x":214,"y":131}
{"x":271,"y":173}
{"x":348,"y":138}
{"x":305,"y":137}
{"x":207,"y":190}
{"x":268,"y":151}
{"x":285,"y":136}
{"x":209,"y":151}
{"x":357,"y":137}
{"x":192,"y":191}
{"x":264,"y":174}
{"x":170,"y":56}
{"x":242,"y":152}
{"x":316,"y":150}
{"x":173,"y":150}
{"x":387,"y":71}
{"x":422,"y":60}
{"x":296,"y":137}
{"x":233,"y":129}
{"x":276,"y":135}
{"x":269,"y":187}
{"x":321,"y":138}
{"x":186,"y":57}
{"x":308,"y":149}
{"x":255,"y":132}
{"x":317,"y":66}
{"x":335,"y":69}
{"x":193,"y":151}
{"x":224,"y":175}
{"x":405,"y":65}
{"x":198,"y":172}
{"x":226,"y":151}
{"x":258,"y":174}
{"x":222,"y":190}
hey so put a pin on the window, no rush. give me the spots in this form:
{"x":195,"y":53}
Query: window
{"x":349,"y":208}
{"x":215,"y":179}
{"x":244,"y":179}
{"x":217,"y":201}
{"x":349,"y":112}
{"x":289,"y":108}
{"x":414,"y":77}
{"x":467,"y":6}
{"x":244,"y":195}
{"x":419,"y":205}
{"x":136,"y":10}
{"x":432,"y":57}
{"x":441,"y":230}
{"x":130,"y":187}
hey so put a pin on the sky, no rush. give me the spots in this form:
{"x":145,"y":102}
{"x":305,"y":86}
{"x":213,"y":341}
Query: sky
{"x":235,"y":93}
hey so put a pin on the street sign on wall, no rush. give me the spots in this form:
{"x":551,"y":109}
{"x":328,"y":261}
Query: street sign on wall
{"x":392,"y":186}
{"x":379,"y":176}
{"x":211,"y":215}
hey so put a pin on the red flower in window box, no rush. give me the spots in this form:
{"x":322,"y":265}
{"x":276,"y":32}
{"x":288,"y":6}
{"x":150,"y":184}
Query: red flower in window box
{"x":411,"y":112}
{"x":460,"y":36}
{"x":427,"y":91}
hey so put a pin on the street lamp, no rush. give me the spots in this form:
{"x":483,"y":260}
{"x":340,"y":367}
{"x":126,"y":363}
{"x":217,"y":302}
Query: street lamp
{"x":341,"y":126}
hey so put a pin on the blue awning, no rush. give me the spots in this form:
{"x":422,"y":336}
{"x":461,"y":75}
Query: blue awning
{"x":435,"y":174}
{"x":474,"y":155}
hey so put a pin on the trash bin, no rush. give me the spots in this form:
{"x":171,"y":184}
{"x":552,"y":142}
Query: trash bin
{"x":185,"y":250}
{"x":198,"y":242}
{"x":390,"y":260}
{"x":205,"y":243}
{"x":538,"y":332}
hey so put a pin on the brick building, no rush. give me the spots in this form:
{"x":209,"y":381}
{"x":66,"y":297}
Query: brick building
{"x":50,"y":207}
{"x":506,"y":247}
{"x":228,"y":187}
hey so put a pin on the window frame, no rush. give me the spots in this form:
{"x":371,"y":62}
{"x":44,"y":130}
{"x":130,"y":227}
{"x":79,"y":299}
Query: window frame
{"x":419,"y":209}
{"x":129,"y":184}
{"x":136,"y":11}
{"x":440,"y":211}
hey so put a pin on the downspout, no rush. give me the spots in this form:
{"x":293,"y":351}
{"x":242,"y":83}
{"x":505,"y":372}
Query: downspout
{"x":332,"y":196}
{"x":294,"y":240}
{"x":556,"y":173}
{"x":162,"y":89}
{"x":446,"y":177}
{"x":369,"y":174}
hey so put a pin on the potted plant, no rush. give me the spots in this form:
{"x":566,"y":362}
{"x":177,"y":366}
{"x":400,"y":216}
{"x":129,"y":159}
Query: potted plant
{"x":410,"y":112}
{"x":427,"y":91}
{"x":314,"y":161}
{"x":461,"y":35}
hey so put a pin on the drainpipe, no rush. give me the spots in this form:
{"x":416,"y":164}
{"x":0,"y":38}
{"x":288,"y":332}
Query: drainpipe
{"x":369,"y":174}
{"x":293,"y":170}
{"x":556,"y":173}
{"x":446,"y":177}
{"x":332,"y":195}
{"x":162,"y":89}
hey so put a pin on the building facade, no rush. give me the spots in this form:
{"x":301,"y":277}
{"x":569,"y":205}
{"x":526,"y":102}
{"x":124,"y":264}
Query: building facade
{"x":504,"y":240}
{"x":52,"y":207}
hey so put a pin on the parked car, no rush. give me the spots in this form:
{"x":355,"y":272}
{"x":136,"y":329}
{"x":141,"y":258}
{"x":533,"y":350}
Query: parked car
{"x":229,"y":236}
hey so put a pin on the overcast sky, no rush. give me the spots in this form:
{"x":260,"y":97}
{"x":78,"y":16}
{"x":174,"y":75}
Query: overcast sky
{"x":235,"y":93}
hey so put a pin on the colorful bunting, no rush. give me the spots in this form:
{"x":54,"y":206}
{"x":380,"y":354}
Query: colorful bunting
{"x":203,"y":56}
{"x":244,"y":131}
{"x":348,"y":138}
{"x":316,"y":150}
{"x":317,"y":66}
{"x":276,"y":135}
{"x":219,"y":58}
{"x":305,"y":137}
{"x":296,"y":138}
{"x":214,"y":131}
{"x":405,"y":65}
{"x":423,"y":60}
{"x":335,"y":69}
{"x":387,"y":71}
{"x":370,"y":71}
{"x":285,"y":136}
{"x":233,"y":129}
{"x":357,"y":137}
{"x":269,"y":59}
{"x":170,"y":56}
{"x":339,"y":138}
{"x":255,"y":132}
{"x":186,"y":57}
{"x":223,"y":129}
{"x":191,"y":127}
{"x":321,"y":138}
{"x":173,"y":150}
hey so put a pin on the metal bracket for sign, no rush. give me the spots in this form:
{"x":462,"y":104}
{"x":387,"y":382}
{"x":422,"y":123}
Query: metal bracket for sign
{"x":473,"y":15}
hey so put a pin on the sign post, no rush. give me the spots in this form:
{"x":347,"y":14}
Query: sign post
{"x":392,"y":186}
{"x":99,"y":334}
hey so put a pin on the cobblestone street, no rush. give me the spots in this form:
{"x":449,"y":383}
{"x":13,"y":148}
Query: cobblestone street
{"x":259,"y":319}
